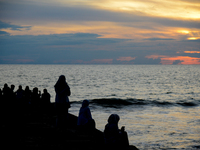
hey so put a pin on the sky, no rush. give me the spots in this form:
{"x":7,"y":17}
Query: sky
{"x":163,"y":32}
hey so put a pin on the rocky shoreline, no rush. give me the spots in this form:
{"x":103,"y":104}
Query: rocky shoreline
{"x":33,"y":128}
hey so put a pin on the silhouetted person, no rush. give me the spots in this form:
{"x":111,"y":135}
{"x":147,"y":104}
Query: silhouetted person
{"x":45,"y":97}
{"x":1,"y":95}
{"x":12,"y":87}
{"x":35,"y":97}
{"x":62,"y":101}
{"x":6,"y":93}
{"x":27,"y":95}
{"x":20,"y":94}
{"x":85,"y":121}
{"x":12,"y":94}
{"x":114,"y":137}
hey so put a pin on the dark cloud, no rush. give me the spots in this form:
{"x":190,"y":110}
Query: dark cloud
{"x":58,"y":47}
{"x":78,"y":48}
{"x":3,"y":33}
{"x":86,"y":48}
{"x":141,"y":60}
{"x":176,"y":62}
{"x":4,"y":25}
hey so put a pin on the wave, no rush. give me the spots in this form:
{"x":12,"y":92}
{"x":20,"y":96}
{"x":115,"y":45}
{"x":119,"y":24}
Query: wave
{"x":118,"y":103}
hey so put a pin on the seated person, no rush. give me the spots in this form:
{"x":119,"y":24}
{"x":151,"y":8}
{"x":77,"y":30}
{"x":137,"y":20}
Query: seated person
{"x":85,"y":120}
{"x":113,"y":136}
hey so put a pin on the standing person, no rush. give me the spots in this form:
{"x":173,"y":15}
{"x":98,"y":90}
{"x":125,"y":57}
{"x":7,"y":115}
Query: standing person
{"x":1,"y":95}
{"x":46,"y":97}
{"x":85,"y":120}
{"x":6,"y":93}
{"x":35,"y":97}
{"x":27,"y":95}
{"x":62,"y":101}
{"x":20,"y":94}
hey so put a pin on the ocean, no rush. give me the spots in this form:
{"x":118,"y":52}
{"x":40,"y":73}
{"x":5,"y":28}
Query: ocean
{"x":159,"y":105}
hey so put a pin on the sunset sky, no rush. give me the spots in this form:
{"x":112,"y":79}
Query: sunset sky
{"x":100,"y":32}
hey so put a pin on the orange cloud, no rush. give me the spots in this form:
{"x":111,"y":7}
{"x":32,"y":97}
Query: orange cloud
{"x":184,"y":60}
{"x":192,"y":52}
{"x":126,"y":58}
{"x":181,"y":60}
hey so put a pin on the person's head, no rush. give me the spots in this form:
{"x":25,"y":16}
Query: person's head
{"x":85,"y":103}
{"x":27,"y":88}
{"x":113,"y":119}
{"x":20,"y":87}
{"x":61,"y":81}
{"x":12,"y":87}
{"x":35,"y":90}
{"x":45,"y":90}
{"x":5,"y":85}
{"x":62,"y":78}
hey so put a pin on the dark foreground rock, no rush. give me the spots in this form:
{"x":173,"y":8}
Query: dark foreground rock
{"x":33,"y":128}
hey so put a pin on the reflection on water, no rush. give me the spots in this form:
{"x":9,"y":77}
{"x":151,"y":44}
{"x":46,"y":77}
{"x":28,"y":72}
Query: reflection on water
{"x":157,"y":127}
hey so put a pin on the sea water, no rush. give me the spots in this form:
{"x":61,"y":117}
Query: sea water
{"x":159,"y":105}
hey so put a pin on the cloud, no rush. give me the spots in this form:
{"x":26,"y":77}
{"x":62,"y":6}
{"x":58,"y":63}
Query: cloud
{"x":101,"y":61}
{"x":92,"y":48}
{"x":39,"y":13}
{"x":169,"y":60}
{"x":126,"y":58}
{"x":156,"y":39}
{"x":3,"y":33}
{"x":192,"y":52}
{"x":41,"y":17}
{"x":177,"y":62}
{"x":59,"y":48}
{"x":4,"y":25}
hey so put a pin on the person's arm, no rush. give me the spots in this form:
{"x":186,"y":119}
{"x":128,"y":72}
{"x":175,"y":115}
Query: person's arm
{"x":67,"y":90}
{"x":89,"y":115}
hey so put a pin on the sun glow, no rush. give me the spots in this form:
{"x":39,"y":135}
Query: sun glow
{"x":184,"y":31}
{"x":193,"y":38}
{"x":181,"y":60}
{"x":192,"y":52}
{"x":170,"y":8}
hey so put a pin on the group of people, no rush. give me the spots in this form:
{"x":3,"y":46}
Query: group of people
{"x":23,"y":97}
{"x":114,"y":136}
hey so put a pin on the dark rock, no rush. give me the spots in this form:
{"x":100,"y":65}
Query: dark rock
{"x":33,"y":128}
